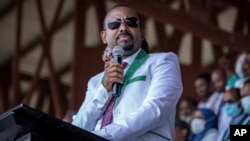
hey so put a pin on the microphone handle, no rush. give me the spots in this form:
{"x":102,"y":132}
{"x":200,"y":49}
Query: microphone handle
{"x":117,"y":58}
{"x":116,"y":88}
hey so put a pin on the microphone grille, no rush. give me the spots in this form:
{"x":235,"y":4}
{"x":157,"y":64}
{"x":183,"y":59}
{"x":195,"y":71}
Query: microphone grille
{"x":118,"y":50}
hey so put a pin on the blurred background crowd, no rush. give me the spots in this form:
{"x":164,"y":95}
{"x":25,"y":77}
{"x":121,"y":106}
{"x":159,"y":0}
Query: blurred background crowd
{"x":224,"y":100}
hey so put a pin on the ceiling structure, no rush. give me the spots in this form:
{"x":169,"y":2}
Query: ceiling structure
{"x":48,"y":49}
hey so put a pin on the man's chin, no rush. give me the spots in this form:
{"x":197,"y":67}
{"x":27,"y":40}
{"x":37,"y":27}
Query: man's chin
{"x":127,"y":48}
{"x":124,"y":44}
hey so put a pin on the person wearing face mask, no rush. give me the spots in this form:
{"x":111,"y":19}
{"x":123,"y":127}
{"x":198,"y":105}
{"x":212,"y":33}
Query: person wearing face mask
{"x":204,"y":125}
{"x":245,"y":100}
{"x":232,"y":107}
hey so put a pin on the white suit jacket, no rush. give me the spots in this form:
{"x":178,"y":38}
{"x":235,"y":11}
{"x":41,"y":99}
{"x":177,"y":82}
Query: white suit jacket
{"x":146,"y":108}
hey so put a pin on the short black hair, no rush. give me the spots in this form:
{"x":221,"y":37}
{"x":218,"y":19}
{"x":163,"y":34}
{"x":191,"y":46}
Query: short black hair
{"x":120,"y":5}
{"x":192,"y":101}
{"x":247,"y":81}
{"x":237,"y":90}
{"x":183,"y":125}
{"x":205,"y":76}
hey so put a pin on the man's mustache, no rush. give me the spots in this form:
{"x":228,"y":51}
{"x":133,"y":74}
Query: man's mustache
{"x":124,"y":33}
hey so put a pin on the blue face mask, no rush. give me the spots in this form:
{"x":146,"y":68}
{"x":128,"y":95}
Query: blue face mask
{"x":231,"y":109}
{"x":245,"y":102}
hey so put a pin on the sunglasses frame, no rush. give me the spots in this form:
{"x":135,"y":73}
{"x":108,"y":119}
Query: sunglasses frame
{"x":130,"y":22}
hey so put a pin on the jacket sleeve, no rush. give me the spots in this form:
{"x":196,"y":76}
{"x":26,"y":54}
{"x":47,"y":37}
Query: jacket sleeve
{"x":95,"y":102}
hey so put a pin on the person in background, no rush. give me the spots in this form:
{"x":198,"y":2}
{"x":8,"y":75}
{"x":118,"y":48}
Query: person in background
{"x":182,"y":130}
{"x":151,"y":86}
{"x":245,"y":100}
{"x":226,"y":64}
{"x":204,"y":125}
{"x":233,"y":109}
{"x":186,"y":108}
{"x":219,"y":80}
{"x":204,"y":90}
{"x":242,"y":69}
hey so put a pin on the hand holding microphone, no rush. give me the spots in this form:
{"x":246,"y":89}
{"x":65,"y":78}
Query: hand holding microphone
{"x":113,"y":75}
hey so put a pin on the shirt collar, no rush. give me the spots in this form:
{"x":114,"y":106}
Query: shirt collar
{"x":130,"y":59}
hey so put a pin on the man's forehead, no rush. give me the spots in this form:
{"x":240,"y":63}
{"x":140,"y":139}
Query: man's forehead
{"x":121,"y":12}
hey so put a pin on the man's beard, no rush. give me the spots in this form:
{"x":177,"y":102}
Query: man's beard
{"x":127,"y":45}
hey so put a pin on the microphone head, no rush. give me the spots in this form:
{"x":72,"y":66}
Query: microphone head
{"x":118,"y":50}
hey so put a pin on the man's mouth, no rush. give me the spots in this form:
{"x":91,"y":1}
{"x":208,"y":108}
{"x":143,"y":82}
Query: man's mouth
{"x":122,"y":37}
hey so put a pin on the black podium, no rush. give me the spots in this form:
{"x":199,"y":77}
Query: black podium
{"x":23,"y":123}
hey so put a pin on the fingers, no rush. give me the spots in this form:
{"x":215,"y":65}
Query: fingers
{"x":107,"y":54}
{"x":113,"y":74}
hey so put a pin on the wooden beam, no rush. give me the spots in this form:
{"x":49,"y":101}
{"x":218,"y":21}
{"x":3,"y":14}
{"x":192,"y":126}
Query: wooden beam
{"x":187,"y":23}
{"x":196,"y":52}
{"x":35,"y":80}
{"x":234,"y":3}
{"x":42,"y":19}
{"x":59,"y":73}
{"x":175,"y":40}
{"x":76,"y":89}
{"x":100,"y":11}
{"x":56,"y":16}
{"x":161,"y":36}
{"x":38,"y":39}
{"x":16,"y":57}
{"x":64,"y":69}
{"x":8,"y":8}
{"x":5,"y":77}
{"x":55,"y":91}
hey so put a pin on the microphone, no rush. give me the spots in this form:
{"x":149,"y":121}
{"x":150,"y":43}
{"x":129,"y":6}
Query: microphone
{"x":117,"y":52}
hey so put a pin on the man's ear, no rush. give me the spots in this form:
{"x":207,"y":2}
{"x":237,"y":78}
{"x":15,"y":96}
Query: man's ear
{"x":103,"y":37}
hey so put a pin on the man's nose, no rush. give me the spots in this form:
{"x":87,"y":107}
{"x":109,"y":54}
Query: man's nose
{"x":123,"y":27}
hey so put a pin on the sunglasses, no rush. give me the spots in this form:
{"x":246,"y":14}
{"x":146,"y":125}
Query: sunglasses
{"x":131,"y":22}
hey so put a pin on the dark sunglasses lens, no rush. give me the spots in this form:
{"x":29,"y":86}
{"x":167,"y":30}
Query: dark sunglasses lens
{"x":113,"y":25}
{"x":132,"y":22}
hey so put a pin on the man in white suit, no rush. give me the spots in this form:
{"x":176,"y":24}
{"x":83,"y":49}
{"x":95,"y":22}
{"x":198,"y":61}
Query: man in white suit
{"x":150,"y":86}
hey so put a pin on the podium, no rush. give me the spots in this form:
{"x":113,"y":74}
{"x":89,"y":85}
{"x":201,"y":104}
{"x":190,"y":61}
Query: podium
{"x":23,"y":123}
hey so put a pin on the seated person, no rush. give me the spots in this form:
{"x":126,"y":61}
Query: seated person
{"x":242,"y":69}
{"x":226,"y":64}
{"x":233,"y":109}
{"x":245,"y":100}
{"x":219,"y":79}
{"x":204,"y":125}
{"x":186,"y":108}
{"x":181,"y":130}
{"x":205,"y":91}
